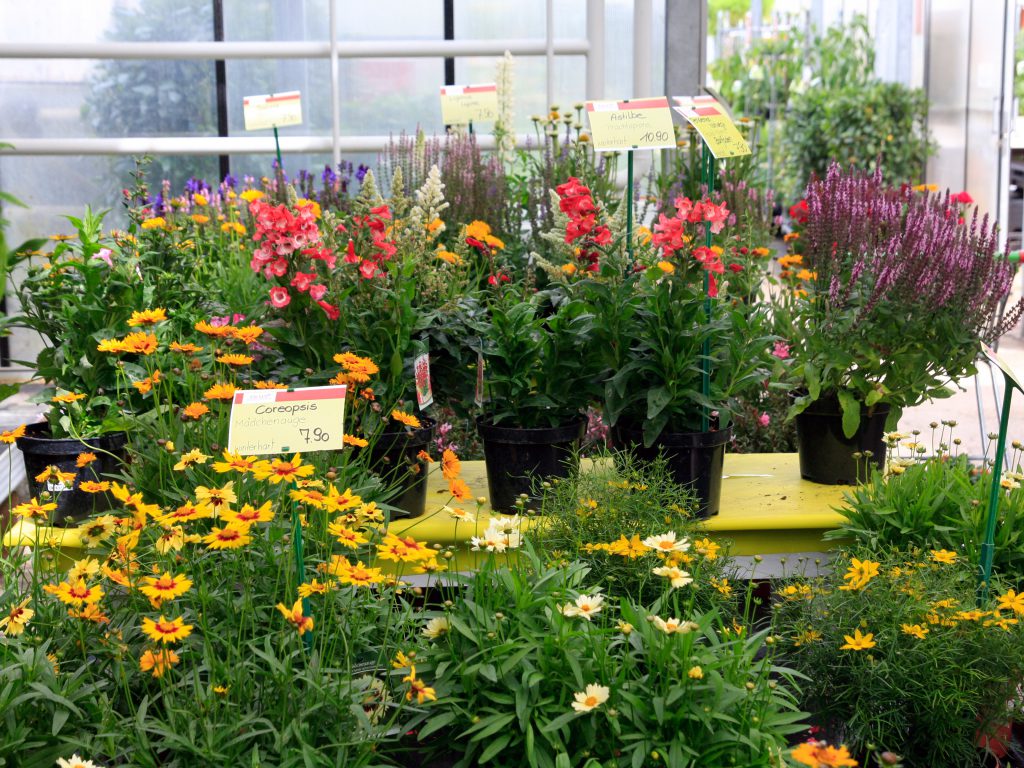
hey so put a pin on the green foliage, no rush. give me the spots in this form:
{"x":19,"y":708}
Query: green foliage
{"x":506,"y":680}
{"x":924,"y":698}
{"x":535,"y":375}
{"x":614,"y":499}
{"x":859,"y":124}
{"x":939,"y":502}
{"x":661,"y":335}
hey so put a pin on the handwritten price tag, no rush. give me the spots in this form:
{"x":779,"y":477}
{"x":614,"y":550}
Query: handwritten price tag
{"x":463,"y":104}
{"x":272,"y":110}
{"x":713,"y":124}
{"x":631,"y":124}
{"x":286,"y":421}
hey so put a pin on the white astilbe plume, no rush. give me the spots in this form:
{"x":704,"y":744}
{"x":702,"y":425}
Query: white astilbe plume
{"x":504,"y":124}
{"x":430,"y":202}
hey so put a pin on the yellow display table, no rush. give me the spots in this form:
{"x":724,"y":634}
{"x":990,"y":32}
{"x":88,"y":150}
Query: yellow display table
{"x":766,"y":509}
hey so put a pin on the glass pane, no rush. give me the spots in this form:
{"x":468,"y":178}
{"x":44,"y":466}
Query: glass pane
{"x":74,"y":21}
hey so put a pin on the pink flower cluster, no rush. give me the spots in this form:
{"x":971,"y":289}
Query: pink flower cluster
{"x":380,"y":248}
{"x":671,"y":234}
{"x":577,"y":202}
{"x":281,"y":232}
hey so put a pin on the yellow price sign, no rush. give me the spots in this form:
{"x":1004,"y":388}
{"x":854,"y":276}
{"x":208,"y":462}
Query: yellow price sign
{"x":464,"y":104}
{"x":287,"y":420}
{"x":713,"y":124}
{"x":631,"y":124}
{"x":272,"y":110}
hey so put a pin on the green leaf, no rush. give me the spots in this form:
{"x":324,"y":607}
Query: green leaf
{"x":851,"y":412}
{"x":658,"y":399}
{"x":435,"y":724}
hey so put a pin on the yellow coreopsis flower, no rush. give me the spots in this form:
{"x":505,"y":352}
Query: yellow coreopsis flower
{"x":278,"y":470}
{"x":858,"y":642}
{"x":295,"y":617}
{"x":166,"y":630}
{"x":163,"y":588}
{"x":17,"y":618}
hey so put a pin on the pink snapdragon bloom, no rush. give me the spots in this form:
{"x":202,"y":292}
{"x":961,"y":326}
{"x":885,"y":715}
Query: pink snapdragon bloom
{"x":280,"y":297}
{"x":781,"y":350}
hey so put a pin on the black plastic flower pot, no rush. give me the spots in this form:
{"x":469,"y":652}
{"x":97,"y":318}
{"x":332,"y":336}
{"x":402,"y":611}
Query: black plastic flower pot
{"x":518,"y":458}
{"x":41,"y":451}
{"x":827,"y":455}
{"x":394,"y":456}
{"x":693,"y":459}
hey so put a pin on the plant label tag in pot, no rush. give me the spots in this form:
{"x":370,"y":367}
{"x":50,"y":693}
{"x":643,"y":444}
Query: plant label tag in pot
{"x":465,"y":104}
{"x":265,"y":421}
{"x":714,"y":125}
{"x":478,"y":396}
{"x":272,"y":110}
{"x":424,"y":390}
{"x":631,"y":124}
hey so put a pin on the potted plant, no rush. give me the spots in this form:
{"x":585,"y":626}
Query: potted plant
{"x":677,"y":352}
{"x":84,"y":287}
{"x":900,"y":288}
{"x":538,"y":380}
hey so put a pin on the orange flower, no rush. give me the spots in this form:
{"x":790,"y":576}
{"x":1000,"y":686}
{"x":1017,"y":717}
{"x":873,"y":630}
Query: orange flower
{"x":405,"y":418}
{"x":195,"y":410}
{"x":338,"y":502}
{"x":147,"y":317}
{"x":140,"y":343}
{"x":188,"y":348}
{"x":220,"y":391}
{"x":450,"y":464}
{"x":818,"y":754}
{"x":235,"y":359}
{"x":114,"y":346}
{"x":147,"y":383}
{"x":269,"y":385}
{"x":91,"y":613}
{"x":247,"y":334}
{"x":294,"y":616}
{"x":92,"y":486}
{"x":425,"y":457}
{"x":10,"y":435}
{"x":159,"y":661}
{"x":85,"y":459}
{"x":68,"y":397}
{"x":364,"y":367}
{"x":459,"y":489}
{"x":216,"y":331}
{"x":358,"y":442}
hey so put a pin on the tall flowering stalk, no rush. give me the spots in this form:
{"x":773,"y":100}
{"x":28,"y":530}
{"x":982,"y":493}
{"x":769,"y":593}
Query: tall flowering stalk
{"x":902,"y":287}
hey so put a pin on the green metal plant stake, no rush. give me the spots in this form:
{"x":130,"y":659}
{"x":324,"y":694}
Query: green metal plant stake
{"x":629,"y":205}
{"x":988,"y":546}
{"x":300,"y":568}
{"x":277,"y":147}
{"x":707,"y":177}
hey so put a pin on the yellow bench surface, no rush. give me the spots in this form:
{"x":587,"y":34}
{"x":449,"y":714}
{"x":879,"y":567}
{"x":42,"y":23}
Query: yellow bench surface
{"x":766,"y":509}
